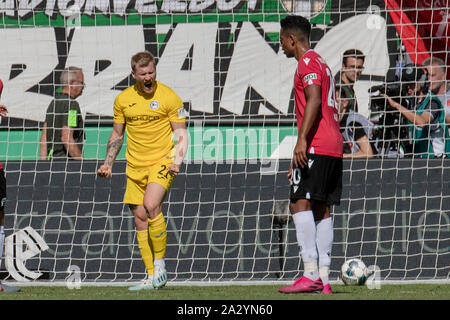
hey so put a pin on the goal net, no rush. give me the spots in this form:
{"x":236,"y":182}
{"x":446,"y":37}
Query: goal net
{"x":227,"y":212}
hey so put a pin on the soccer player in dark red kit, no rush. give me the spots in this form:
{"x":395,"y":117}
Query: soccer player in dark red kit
{"x":316,"y":169}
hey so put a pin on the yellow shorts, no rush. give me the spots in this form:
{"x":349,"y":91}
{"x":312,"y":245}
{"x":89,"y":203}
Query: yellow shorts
{"x":139,"y":178}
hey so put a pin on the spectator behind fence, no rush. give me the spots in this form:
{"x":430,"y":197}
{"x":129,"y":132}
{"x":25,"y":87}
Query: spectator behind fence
{"x":352,"y":67}
{"x":356,"y":130}
{"x":437,"y":78}
{"x":62,"y":134}
{"x":424,"y":113}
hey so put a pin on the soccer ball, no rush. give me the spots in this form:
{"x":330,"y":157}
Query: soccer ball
{"x":354,"y":272}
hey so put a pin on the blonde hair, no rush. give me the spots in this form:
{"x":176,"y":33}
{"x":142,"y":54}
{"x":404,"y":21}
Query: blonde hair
{"x":142,"y":59}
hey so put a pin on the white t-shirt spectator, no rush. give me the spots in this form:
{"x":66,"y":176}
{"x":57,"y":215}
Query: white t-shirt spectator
{"x":445,"y":100}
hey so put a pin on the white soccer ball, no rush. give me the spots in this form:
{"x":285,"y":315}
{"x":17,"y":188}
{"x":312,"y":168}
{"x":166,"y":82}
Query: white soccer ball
{"x":354,"y":272}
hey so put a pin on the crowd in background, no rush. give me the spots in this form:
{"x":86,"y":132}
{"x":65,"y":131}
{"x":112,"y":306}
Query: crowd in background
{"x":415,"y":120}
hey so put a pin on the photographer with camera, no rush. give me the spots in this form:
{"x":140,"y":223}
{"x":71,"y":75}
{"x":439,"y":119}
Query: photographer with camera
{"x":352,"y":67}
{"x":424,"y":112}
{"x":356,"y":130}
{"x":435,"y":68}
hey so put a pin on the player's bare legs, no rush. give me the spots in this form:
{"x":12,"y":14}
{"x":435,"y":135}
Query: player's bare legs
{"x":153,"y":199}
{"x":151,"y":208}
{"x":321,"y":210}
{"x":300,"y":206}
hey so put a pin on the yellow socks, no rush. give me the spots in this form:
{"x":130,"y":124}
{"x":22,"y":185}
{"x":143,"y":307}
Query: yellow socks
{"x":152,"y":242}
{"x":145,"y":250}
{"x":158,"y":236}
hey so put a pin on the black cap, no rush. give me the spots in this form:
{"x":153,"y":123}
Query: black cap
{"x":411,"y":73}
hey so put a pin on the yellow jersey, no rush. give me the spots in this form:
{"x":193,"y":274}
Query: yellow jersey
{"x":147,"y":121}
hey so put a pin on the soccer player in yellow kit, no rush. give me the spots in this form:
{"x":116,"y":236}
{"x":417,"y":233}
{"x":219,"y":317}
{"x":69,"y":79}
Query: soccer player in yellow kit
{"x":151,"y":113}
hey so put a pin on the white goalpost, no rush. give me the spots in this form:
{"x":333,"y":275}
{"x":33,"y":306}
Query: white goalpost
{"x":227,"y":212}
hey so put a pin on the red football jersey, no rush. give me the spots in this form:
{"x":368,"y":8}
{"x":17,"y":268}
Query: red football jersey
{"x":324,"y":137}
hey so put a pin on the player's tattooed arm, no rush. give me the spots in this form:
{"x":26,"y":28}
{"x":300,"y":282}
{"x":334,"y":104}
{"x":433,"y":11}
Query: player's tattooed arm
{"x":113,"y":150}
{"x":115,"y":143}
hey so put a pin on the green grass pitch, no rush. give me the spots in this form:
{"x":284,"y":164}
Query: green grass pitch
{"x":232,"y":292}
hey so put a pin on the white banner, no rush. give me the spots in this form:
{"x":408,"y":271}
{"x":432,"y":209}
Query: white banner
{"x":192,"y":63}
